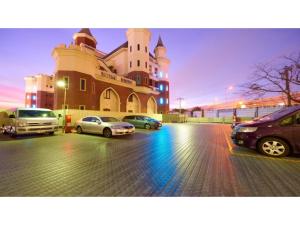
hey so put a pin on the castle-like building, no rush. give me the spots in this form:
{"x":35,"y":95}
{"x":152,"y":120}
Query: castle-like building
{"x":128,"y":79}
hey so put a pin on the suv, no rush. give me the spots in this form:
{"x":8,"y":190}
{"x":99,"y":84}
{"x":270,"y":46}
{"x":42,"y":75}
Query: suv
{"x":143,"y":122}
{"x":30,"y":121}
{"x":276,"y":134}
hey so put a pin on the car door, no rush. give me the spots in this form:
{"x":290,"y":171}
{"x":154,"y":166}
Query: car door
{"x":131,"y":119}
{"x":95,"y":125}
{"x":296,"y":131}
{"x":140,"y":121}
{"x":85,"y":122}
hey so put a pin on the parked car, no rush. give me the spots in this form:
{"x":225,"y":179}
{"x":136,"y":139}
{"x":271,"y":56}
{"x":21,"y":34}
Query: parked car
{"x":107,"y":126}
{"x":276,"y":134}
{"x":143,"y":122}
{"x":30,"y":121}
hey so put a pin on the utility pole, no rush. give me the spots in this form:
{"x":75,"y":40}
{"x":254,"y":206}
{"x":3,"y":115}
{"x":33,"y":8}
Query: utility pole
{"x":285,"y":75}
{"x":180,"y":99}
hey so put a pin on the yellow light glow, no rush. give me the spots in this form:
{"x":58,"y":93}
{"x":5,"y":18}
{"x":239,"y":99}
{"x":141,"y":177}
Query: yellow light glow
{"x":61,"y":83}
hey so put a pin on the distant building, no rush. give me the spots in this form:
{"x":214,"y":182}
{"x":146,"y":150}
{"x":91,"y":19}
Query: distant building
{"x":39,"y":91}
{"x":128,"y":79}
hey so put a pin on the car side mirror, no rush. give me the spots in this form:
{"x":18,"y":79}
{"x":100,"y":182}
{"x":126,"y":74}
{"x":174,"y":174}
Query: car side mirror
{"x":12,"y":116}
{"x":99,"y":122}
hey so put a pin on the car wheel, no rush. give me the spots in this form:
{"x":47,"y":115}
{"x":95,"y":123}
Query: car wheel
{"x":79,"y":130}
{"x":147,"y":126}
{"x":274,"y":147}
{"x":107,"y":133}
{"x":12,"y":133}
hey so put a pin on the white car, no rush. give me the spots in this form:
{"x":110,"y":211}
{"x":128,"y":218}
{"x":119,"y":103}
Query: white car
{"x":31,"y":121}
{"x":107,"y":126}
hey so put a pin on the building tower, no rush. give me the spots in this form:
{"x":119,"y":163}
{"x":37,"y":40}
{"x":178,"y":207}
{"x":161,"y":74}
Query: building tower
{"x":84,"y":36}
{"x":163,"y":83}
{"x":138,"y":55}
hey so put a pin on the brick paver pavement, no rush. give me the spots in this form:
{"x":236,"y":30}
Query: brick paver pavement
{"x":178,"y":160}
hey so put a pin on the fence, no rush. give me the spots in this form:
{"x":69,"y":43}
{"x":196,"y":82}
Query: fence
{"x":246,"y":112}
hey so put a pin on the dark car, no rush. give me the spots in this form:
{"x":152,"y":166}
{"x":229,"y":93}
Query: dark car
{"x":276,"y":134}
{"x":143,"y":122}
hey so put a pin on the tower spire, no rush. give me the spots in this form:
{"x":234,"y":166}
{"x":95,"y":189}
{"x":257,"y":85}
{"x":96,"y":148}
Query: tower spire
{"x":159,"y":42}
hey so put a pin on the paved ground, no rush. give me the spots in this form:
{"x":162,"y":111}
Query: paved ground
{"x":178,"y":160}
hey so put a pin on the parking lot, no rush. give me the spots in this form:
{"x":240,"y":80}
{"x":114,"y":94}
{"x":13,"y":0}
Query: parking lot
{"x":177,"y":160}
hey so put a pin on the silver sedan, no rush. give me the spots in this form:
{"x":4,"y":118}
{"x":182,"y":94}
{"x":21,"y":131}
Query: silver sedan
{"x":107,"y":126}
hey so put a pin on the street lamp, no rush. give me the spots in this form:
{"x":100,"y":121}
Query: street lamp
{"x":62,"y":84}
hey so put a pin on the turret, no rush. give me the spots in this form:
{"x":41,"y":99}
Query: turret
{"x":138,"y":49}
{"x":85,"y":36}
{"x":162,"y":60}
{"x":163,"y":83}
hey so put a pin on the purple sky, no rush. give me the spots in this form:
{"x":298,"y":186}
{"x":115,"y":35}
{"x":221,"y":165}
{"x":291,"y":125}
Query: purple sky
{"x":204,"y":62}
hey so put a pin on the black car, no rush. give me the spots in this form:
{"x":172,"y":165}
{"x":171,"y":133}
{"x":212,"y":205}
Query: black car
{"x":276,"y":134}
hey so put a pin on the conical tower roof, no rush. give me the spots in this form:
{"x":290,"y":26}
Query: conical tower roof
{"x":86,"y":31}
{"x":159,"y":42}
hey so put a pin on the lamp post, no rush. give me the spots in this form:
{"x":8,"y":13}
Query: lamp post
{"x":62,"y":84}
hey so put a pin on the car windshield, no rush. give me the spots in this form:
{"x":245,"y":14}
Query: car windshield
{"x":276,"y":115}
{"x":35,"y":113}
{"x":109,"y":119}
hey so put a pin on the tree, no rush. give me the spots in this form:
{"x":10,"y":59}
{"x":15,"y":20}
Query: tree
{"x":281,"y":76}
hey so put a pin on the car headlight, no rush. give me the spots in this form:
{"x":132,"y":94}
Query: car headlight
{"x":21,"y":124}
{"x":247,"y":129}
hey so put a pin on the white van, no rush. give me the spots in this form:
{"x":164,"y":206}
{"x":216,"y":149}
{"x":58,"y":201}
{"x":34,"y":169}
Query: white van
{"x":30,"y":121}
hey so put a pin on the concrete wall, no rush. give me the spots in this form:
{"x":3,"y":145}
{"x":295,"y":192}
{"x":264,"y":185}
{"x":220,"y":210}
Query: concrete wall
{"x":78,"y":114}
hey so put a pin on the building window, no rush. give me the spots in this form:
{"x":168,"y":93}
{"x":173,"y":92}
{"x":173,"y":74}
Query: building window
{"x":82,"y":84}
{"x":161,"y":101}
{"x":146,"y":64}
{"x":138,"y":63}
{"x":130,"y":98}
{"x":82,"y":107}
{"x":66,"y":80}
{"x":138,"y":47}
{"x":150,"y":68}
{"x":33,"y":106}
{"x":93,"y":87}
{"x":33,"y":97}
{"x":138,"y":79}
{"x":161,"y":87}
{"x":167,"y":101}
{"x":146,"y":49}
{"x":28,"y":97}
{"x":106,"y":110}
{"x":130,"y":48}
{"x":167,"y":87}
{"x":130,"y":64}
{"x":107,"y":94}
{"x":51,"y":86}
{"x":155,"y":70}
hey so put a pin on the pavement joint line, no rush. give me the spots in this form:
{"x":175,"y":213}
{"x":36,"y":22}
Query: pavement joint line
{"x":230,"y":149}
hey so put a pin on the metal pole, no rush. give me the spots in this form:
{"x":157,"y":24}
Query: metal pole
{"x":64,"y":118}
